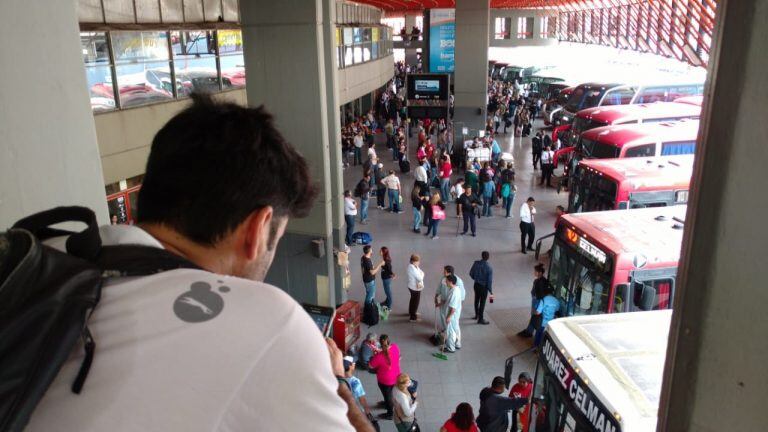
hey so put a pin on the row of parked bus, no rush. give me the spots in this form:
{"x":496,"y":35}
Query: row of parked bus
{"x":628,"y":153}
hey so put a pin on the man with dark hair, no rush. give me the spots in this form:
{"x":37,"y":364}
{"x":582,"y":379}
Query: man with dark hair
{"x":494,"y":407}
{"x":482,"y":273}
{"x":350,"y":212}
{"x":527,"y":227}
{"x":362,"y":191}
{"x":206,"y":347}
{"x":540,"y":286}
{"x":466,"y":204}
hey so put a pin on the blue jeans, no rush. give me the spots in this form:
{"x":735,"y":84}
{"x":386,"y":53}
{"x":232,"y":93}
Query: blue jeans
{"x":433,"y":223}
{"x":358,"y":156}
{"x":416,"y":219}
{"x":445,"y":189}
{"x":487,"y":205}
{"x":350,"y":220}
{"x":387,"y":292}
{"x":508,"y":203}
{"x":370,"y":291}
{"x":394,"y":199}
{"x":363,"y":210}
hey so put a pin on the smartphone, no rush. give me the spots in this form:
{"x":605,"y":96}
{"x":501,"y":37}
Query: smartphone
{"x":322,"y":316}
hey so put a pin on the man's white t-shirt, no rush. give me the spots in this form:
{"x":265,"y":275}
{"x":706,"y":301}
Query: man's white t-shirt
{"x":190,"y":350}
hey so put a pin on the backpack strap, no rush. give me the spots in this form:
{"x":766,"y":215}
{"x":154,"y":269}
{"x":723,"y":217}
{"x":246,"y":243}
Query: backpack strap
{"x":84,"y":244}
{"x":138,"y":260}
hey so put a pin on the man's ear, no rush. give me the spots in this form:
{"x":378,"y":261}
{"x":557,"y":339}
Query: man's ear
{"x":256,"y":228}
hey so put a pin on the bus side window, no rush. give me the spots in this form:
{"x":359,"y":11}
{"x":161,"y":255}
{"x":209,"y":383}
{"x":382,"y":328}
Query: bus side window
{"x":653,"y":295}
{"x":619,"y":298}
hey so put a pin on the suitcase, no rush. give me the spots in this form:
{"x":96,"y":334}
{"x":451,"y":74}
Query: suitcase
{"x":362,"y":238}
{"x":371,"y":314}
{"x":405,"y":166}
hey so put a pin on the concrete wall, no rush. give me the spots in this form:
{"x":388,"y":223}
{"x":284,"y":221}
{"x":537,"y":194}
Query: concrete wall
{"x":514,"y":14}
{"x":356,"y":81}
{"x":716,"y":377}
{"x":125,"y":136}
{"x":471,"y":73}
{"x":48,"y":150}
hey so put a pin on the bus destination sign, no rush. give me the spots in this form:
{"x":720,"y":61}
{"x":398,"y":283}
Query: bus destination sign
{"x":585,"y":247}
{"x":581,"y":398}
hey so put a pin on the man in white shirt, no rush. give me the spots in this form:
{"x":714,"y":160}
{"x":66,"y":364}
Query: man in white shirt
{"x":207,"y":349}
{"x":527,"y":227}
{"x":358,"y":149}
{"x":350,"y":211}
{"x":393,"y":191}
{"x":547,"y":166}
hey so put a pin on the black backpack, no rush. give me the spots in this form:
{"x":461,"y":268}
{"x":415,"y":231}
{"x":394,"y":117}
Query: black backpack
{"x":370,"y":313}
{"x":46,"y":298}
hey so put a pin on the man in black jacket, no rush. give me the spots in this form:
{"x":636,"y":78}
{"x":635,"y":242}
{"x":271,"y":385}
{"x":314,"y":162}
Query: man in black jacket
{"x":482,"y":273}
{"x":536,"y":149}
{"x":538,"y":291}
{"x":494,"y":407}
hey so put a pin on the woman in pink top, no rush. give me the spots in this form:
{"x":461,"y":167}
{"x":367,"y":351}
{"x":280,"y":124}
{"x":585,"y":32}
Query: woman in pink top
{"x":387,"y":366}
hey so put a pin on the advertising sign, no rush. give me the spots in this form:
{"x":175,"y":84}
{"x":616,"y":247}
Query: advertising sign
{"x":442,"y":38}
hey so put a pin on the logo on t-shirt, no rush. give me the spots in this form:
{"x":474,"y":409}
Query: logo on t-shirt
{"x":199,"y":304}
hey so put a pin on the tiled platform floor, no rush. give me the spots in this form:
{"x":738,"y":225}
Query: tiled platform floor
{"x":444,"y":384}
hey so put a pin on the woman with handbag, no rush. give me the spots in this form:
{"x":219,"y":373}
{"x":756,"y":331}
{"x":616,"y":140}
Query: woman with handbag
{"x":405,"y":404}
{"x":438,"y":214}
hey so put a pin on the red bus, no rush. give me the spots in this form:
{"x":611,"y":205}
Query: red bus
{"x":609,"y":184}
{"x":656,"y":112}
{"x":616,"y":261}
{"x":639,"y":140}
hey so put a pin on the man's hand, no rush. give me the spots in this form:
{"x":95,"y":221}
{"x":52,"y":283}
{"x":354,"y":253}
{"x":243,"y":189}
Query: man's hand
{"x":337,"y":357}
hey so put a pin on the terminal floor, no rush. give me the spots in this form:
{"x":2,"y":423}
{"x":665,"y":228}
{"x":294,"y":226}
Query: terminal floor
{"x":445,"y":384}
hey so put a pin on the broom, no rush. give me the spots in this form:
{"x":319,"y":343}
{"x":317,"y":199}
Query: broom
{"x":441,"y":355}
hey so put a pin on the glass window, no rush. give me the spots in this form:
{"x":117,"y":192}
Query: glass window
{"x":142,"y":68}
{"x":621,"y":96}
{"x":653,"y":295}
{"x":641,"y":151}
{"x":194,"y":61}
{"x":678,"y":148}
{"x":358,"y":54}
{"x":231,"y":58}
{"x":98,"y":70}
{"x":620,"y":298}
{"x":367,"y":52}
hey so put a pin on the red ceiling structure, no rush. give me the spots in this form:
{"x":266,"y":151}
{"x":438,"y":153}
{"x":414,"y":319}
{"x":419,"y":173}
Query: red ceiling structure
{"x":680,"y":29}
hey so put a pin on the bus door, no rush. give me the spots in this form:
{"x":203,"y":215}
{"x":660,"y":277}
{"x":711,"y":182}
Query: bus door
{"x":647,"y":290}
{"x":581,"y":287}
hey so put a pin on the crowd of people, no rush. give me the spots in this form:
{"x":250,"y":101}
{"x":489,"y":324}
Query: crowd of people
{"x":469,"y":184}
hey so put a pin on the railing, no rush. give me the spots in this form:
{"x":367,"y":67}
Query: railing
{"x":538,"y":244}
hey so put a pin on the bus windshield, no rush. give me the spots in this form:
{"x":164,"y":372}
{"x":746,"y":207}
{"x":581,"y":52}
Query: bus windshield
{"x":590,"y":192}
{"x":581,"y":284}
{"x":595,"y":150}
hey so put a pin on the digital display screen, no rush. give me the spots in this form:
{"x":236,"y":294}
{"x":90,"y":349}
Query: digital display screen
{"x":427,"y":86}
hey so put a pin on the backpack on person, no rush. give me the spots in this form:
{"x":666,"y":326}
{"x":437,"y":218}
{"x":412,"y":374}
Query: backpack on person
{"x":47,"y":297}
{"x":370,"y":313}
{"x":405,"y":165}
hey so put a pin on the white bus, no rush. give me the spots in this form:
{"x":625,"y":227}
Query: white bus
{"x":600,"y":373}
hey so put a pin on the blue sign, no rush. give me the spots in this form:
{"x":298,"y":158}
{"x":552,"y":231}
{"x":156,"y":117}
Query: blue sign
{"x":442,"y":39}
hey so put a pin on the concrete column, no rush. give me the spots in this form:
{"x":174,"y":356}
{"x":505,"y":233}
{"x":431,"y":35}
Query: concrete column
{"x":715,"y":377}
{"x":49,"y":155}
{"x":411,"y":57}
{"x":334,"y":140}
{"x":285,"y":59}
{"x":471,"y":73}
